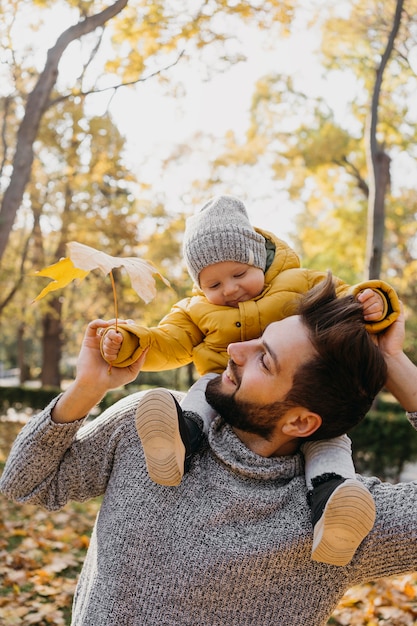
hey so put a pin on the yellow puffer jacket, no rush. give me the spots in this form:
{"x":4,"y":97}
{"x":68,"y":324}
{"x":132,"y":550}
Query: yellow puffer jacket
{"x":195,"y":330}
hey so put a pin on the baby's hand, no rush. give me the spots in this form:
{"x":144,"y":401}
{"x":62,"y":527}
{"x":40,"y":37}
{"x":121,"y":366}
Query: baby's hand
{"x":372,"y":304}
{"x":111,"y":344}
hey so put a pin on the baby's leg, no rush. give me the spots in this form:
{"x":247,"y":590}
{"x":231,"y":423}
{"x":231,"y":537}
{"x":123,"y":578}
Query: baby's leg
{"x":328,"y":456}
{"x":195,"y":406}
{"x":342,"y":509}
{"x":171,"y":433}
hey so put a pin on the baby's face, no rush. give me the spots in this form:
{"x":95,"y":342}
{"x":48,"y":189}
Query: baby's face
{"x":228,"y":283}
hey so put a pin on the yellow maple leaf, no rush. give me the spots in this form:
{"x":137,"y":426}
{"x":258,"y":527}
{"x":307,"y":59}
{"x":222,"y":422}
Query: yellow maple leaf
{"x":62,"y":274}
{"x":140,"y":272}
{"x":82,"y":259}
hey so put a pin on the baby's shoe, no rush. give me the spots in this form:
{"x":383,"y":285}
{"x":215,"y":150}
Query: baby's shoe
{"x":169,"y":437}
{"x":343,"y":513}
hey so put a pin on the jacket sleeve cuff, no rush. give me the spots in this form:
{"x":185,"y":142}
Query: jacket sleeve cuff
{"x":391,"y":302}
{"x":130,"y":349}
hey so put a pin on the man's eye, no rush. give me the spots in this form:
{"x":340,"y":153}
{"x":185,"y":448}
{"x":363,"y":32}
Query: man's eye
{"x":263,"y":361}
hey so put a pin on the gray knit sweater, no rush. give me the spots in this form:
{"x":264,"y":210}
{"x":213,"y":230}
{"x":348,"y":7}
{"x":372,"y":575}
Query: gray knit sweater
{"x":229,"y":547}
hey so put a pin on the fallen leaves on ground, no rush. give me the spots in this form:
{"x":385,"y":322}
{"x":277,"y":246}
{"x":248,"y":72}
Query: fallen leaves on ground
{"x":385,"y":602}
{"x":41,"y":554}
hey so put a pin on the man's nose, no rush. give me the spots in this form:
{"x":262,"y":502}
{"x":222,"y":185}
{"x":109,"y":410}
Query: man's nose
{"x":237,"y":352}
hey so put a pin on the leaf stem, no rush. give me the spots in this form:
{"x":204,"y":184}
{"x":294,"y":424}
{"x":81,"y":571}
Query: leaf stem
{"x":116,"y":312}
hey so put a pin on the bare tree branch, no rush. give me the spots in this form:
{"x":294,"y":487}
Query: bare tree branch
{"x":37,"y":103}
{"x":353,"y":171}
{"x":141,"y":79}
{"x":15,"y":288}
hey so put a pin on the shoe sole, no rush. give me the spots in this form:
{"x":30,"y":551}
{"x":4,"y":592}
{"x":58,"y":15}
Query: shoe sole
{"x":157,"y":425}
{"x":348,"y":517}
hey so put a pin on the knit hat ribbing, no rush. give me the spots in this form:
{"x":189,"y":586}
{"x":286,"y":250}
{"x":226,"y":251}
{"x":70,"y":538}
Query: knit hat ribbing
{"x":221,"y":231}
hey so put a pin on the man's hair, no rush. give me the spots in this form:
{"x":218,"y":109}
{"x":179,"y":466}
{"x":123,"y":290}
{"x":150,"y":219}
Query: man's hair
{"x":341,"y":381}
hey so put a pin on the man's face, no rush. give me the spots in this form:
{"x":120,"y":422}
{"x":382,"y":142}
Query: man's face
{"x":260,"y":374}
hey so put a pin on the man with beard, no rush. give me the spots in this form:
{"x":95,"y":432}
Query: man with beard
{"x":231,"y":545}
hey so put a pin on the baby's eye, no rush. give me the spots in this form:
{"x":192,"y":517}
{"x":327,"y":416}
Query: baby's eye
{"x":240,"y":274}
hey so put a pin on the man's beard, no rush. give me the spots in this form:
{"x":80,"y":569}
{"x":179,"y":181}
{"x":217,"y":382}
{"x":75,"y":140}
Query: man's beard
{"x":247,"y":416}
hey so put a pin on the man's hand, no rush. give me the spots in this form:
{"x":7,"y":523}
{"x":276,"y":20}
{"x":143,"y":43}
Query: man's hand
{"x":391,"y":341}
{"x":91,"y":367}
{"x":402,"y":373}
{"x":94,"y":377}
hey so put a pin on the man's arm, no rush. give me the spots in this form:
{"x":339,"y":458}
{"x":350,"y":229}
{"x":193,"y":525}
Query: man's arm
{"x":402,"y":373}
{"x":54,"y":459}
{"x":93,"y":379}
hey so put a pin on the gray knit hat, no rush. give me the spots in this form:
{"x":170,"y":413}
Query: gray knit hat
{"x":221,"y":231}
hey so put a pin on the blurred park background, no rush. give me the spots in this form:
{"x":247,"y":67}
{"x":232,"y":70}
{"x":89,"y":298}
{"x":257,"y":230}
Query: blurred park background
{"x":118,"y":120}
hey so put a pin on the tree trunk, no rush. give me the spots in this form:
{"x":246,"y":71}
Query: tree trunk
{"x":21,"y":360}
{"x":51,"y":345}
{"x":378,"y":164}
{"x":376,"y":215}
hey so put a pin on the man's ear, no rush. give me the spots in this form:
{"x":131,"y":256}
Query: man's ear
{"x":301,"y":423}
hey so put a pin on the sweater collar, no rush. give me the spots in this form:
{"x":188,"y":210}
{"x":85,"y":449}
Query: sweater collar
{"x":238,"y":458}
